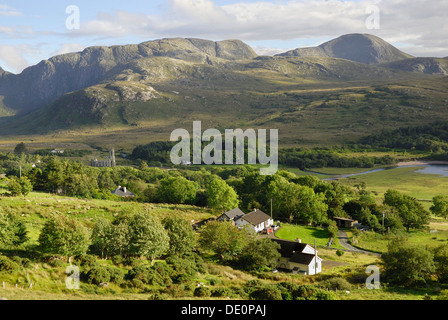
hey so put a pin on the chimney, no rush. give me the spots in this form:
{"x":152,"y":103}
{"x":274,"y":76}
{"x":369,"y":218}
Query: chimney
{"x":124,"y":189}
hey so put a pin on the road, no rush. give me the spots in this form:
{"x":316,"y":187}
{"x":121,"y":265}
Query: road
{"x":343,"y":241}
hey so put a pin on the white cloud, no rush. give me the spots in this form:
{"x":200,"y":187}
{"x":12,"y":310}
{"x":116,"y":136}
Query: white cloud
{"x":6,"y":10}
{"x":68,"y":48}
{"x":415,"y":26}
{"x":415,"y":22}
{"x":13,"y":58}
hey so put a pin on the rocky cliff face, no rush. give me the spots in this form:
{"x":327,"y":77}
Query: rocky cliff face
{"x":61,"y":74}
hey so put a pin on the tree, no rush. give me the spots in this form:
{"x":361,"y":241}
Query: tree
{"x":409,"y":209}
{"x":226,"y":240}
{"x":20,"y":186}
{"x":221,"y":196}
{"x":177,"y":190}
{"x":407,"y":265}
{"x":102,"y":235}
{"x":260,"y":253}
{"x":148,"y":238}
{"x":333,"y":229}
{"x":12,"y":231}
{"x":181,"y":235}
{"x":441,"y":263}
{"x":295,"y":201}
{"x":440,"y":206}
{"x":285,"y":196}
{"x":64,"y":236}
{"x":311,"y":206}
{"x":20,"y":149}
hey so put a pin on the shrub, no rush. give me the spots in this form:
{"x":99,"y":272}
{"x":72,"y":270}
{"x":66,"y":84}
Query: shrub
{"x":324,"y":295}
{"x":158,"y":274}
{"x":98,"y":274}
{"x":116,"y":275}
{"x":117,"y":260}
{"x":268,"y":292}
{"x":137,"y":284}
{"x":337,"y":284}
{"x":221,"y":292}
{"x":185,"y":268}
{"x":339,"y":253}
{"x":202,"y":292}
{"x":7,"y":265}
{"x":87,"y":261}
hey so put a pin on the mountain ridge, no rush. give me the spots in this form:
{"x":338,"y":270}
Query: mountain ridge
{"x":47,"y":80}
{"x":364,"y":48}
{"x":160,"y":85}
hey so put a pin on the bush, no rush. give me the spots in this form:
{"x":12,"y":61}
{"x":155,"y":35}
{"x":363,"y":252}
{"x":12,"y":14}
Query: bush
{"x":185,"y":268}
{"x":117,"y":260}
{"x":7,"y":265}
{"x":116,"y":275}
{"x":202,"y":292}
{"x":339,"y":253}
{"x":221,"y":292}
{"x":337,"y":284}
{"x":87,"y":261}
{"x":98,"y":274}
{"x":269,"y":292}
{"x":137,"y":284}
{"x":158,"y":274}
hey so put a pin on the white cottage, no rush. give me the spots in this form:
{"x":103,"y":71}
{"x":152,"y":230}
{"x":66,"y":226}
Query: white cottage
{"x":257,"y":220}
{"x":298,"y":257}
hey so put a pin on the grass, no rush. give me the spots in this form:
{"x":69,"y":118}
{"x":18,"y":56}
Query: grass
{"x":306,"y":234}
{"x":404,"y":180}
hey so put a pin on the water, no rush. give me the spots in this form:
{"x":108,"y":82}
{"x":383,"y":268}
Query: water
{"x":436,"y":169}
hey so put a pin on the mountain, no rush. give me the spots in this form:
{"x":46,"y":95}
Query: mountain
{"x":362,"y":48}
{"x":133,"y":94}
{"x":58,"y":75}
{"x":421,"y":65}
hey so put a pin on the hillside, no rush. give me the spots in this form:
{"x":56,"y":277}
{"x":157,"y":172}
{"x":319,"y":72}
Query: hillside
{"x":421,"y":65}
{"x":134,"y":94}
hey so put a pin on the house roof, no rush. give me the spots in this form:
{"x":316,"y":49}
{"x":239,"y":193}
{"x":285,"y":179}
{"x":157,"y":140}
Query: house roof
{"x":256,"y":217}
{"x":123,"y":192}
{"x":302,"y":258}
{"x":289,"y":248}
{"x":344,"y":219}
{"x":232,"y":214}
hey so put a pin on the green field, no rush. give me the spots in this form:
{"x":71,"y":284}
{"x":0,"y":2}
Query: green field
{"x":405,"y":180}
{"x":306,"y":234}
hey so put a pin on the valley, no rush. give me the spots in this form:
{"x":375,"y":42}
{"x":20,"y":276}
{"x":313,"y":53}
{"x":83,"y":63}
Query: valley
{"x":351,"y":113}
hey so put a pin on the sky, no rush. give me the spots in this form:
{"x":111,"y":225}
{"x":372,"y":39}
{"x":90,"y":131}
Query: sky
{"x":31,"y":31}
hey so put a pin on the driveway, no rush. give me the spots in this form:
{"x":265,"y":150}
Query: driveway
{"x":343,"y":241}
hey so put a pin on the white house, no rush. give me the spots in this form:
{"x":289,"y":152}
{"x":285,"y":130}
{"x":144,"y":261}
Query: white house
{"x":257,"y":220}
{"x":298,"y":257}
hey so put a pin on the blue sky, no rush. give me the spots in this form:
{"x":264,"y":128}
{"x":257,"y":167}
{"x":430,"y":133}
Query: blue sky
{"x":31,"y":31}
